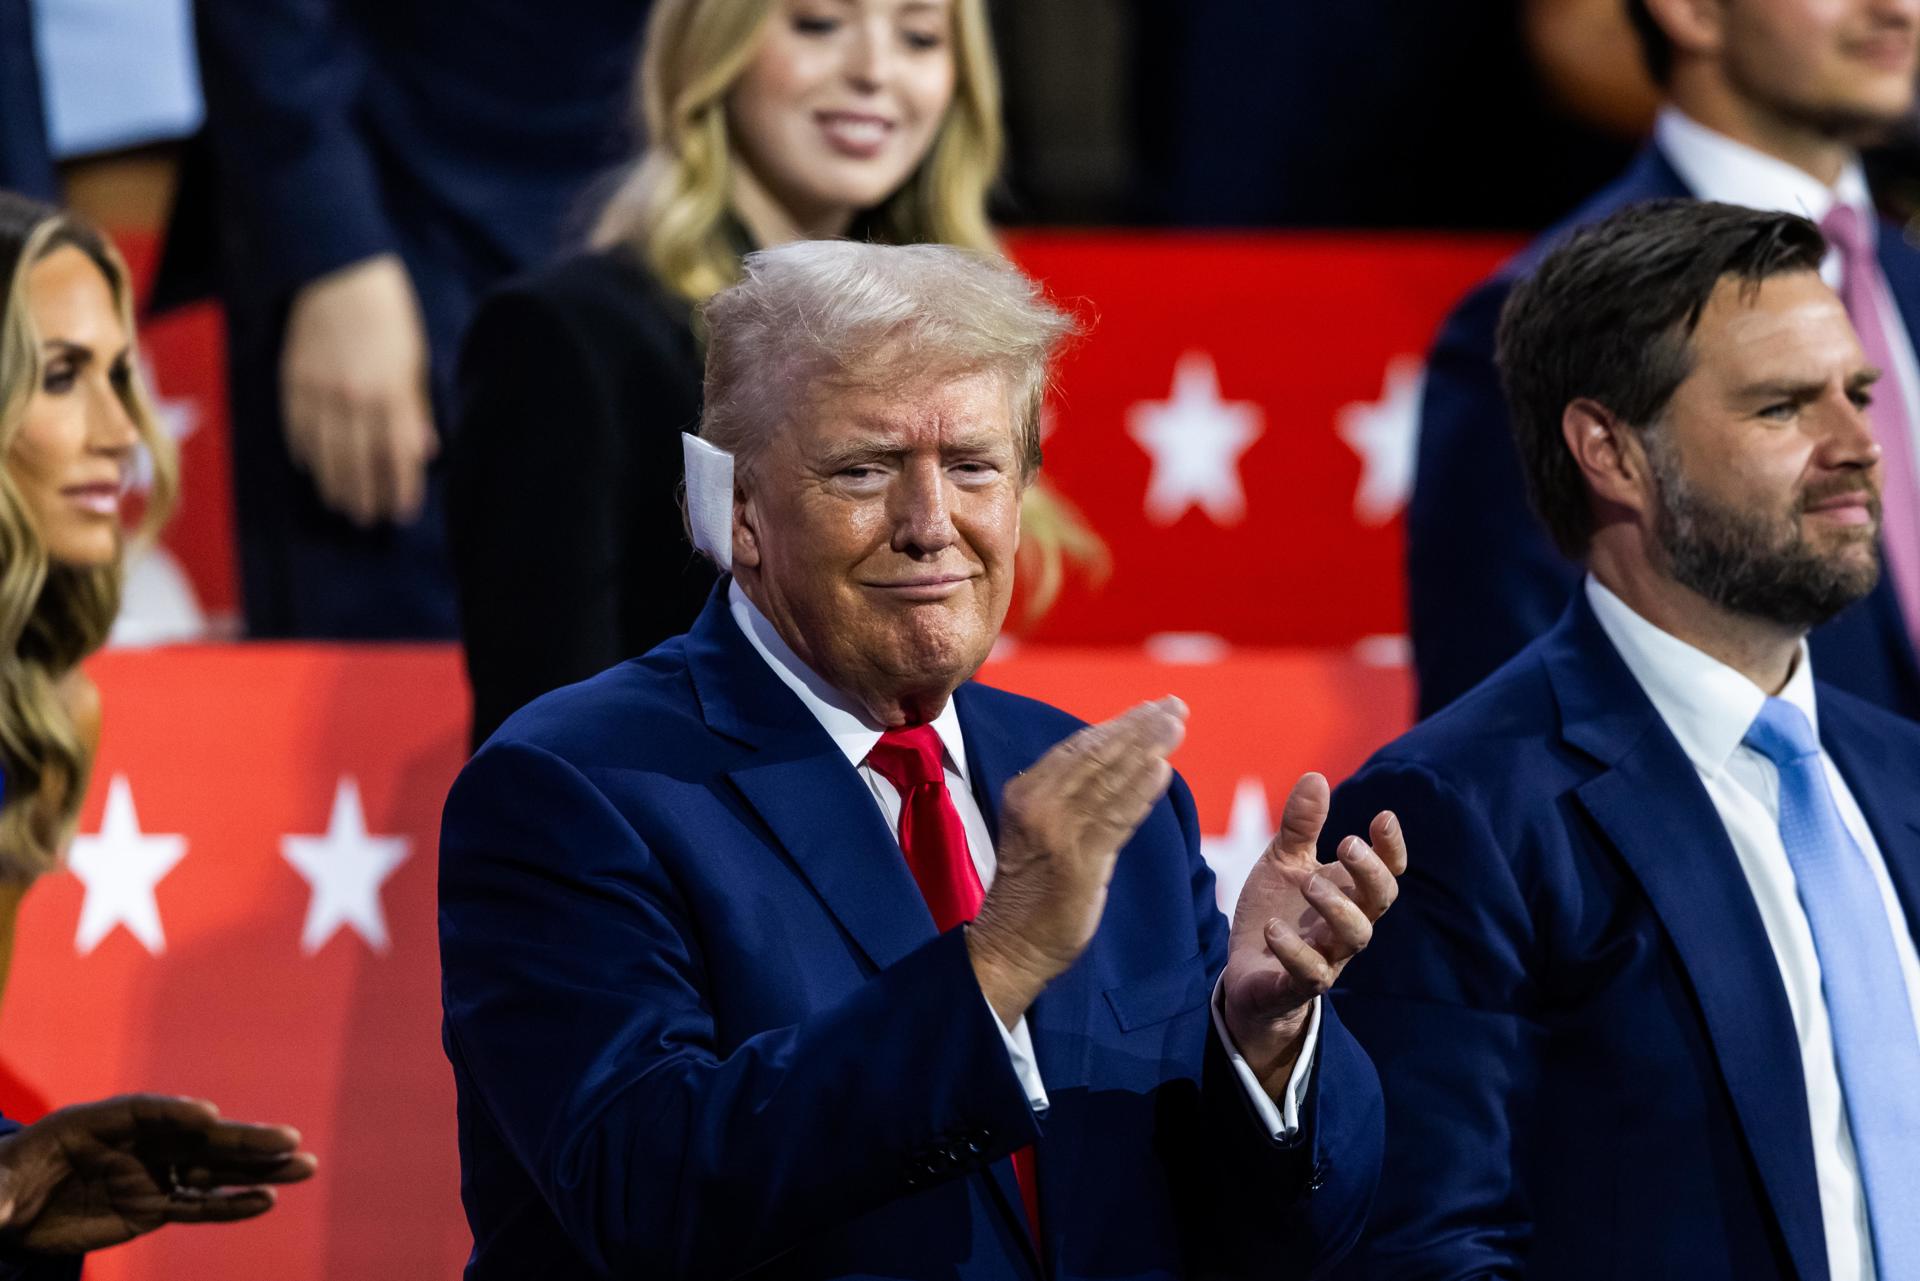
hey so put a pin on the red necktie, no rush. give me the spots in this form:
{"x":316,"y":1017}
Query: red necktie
{"x":935,"y":843}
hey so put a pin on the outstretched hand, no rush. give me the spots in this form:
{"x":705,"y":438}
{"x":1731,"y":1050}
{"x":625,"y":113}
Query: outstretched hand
{"x":1298,"y":922}
{"x":97,"y":1174}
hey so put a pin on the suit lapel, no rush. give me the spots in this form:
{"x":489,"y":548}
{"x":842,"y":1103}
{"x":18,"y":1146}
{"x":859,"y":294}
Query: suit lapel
{"x":798,"y":782}
{"x":1880,"y":776}
{"x":1652,"y":807}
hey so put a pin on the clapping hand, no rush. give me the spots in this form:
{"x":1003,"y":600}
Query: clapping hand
{"x":1062,"y":824}
{"x":97,"y":1174}
{"x":1298,"y":922}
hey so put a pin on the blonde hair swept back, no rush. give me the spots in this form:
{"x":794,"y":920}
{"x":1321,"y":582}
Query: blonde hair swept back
{"x":672,"y":207}
{"x":52,"y":615}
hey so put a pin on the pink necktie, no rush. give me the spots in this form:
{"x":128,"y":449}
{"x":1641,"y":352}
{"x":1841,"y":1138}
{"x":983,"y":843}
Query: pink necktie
{"x":1864,"y":291}
{"x":935,"y":843}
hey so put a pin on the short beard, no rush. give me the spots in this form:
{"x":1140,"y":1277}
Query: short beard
{"x":1752,"y":563}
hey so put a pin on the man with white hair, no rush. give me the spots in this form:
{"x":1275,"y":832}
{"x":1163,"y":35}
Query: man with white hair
{"x":787,"y":949}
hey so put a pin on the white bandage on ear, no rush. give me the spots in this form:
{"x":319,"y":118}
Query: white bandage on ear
{"x":709,"y":498}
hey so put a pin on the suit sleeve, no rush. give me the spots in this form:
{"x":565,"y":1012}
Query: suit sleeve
{"x":1444,"y":1001}
{"x":282,"y":79}
{"x":20,"y":1266}
{"x":572,"y":987}
{"x":1483,"y":576}
{"x":1259,"y":1207}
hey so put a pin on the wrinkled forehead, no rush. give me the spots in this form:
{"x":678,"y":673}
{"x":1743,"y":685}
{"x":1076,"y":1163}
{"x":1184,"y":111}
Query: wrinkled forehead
{"x":893,"y":402}
{"x":1790,"y":326}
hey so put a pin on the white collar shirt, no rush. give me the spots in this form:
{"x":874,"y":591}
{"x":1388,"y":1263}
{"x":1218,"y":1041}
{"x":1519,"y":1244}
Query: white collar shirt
{"x":1708,"y":706}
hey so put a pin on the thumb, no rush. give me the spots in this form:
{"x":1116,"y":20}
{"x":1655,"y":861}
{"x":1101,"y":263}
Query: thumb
{"x":1302,"y":818}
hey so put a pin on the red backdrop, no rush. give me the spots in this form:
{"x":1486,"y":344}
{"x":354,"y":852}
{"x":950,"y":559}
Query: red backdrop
{"x":249,"y":911}
{"x":1238,"y":425}
{"x":202,"y":983}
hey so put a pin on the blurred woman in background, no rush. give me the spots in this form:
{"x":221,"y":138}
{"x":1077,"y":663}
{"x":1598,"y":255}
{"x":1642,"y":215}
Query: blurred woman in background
{"x":73,"y":417}
{"x":768,"y":121}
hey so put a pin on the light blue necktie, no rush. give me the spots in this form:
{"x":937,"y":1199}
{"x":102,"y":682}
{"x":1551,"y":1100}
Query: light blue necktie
{"x":1866,"y":993}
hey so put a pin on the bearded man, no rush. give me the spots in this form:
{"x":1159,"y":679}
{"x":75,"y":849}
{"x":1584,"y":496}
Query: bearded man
{"x":788,"y":950}
{"x":1647,"y":1008}
{"x":1767,"y":103}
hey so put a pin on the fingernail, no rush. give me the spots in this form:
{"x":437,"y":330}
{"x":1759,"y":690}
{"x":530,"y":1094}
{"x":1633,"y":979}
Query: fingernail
{"x":1318,"y":887}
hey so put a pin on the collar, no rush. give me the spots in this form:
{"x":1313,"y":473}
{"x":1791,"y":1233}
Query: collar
{"x":847,"y":723}
{"x":1717,"y":167}
{"x":1708,"y":705}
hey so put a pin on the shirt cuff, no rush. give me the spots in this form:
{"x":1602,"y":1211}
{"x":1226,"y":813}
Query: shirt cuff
{"x":1020,"y":1051}
{"x":1282,"y":1121}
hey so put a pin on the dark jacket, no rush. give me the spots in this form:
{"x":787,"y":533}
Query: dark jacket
{"x":26,"y":165}
{"x":701,"y":1023}
{"x":1591,"y":1068}
{"x":564,"y":479}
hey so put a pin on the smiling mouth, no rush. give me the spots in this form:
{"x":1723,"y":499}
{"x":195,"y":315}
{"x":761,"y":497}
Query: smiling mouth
{"x":925,"y":588}
{"x":100,"y":499}
{"x":854,"y":134}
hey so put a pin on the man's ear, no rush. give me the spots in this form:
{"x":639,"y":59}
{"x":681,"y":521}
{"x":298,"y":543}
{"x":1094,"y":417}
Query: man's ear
{"x":1609,"y":454}
{"x":746,"y":529}
{"x":1696,"y":27}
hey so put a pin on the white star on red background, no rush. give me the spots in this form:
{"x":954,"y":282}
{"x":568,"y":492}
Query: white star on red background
{"x":120,"y":868}
{"x":345,"y":869}
{"x":1195,"y":439}
{"x":1386,"y":435}
{"x":1232,"y":855}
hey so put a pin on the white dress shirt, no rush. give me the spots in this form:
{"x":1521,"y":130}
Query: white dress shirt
{"x":1709,"y":707}
{"x":854,"y":733}
{"x":1715,"y":167}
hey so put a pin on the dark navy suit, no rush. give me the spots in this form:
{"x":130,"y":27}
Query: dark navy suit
{"x":1482,"y":574}
{"x":1591,"y":1066}
{"x":462,"y":137}
{"x":19,"y":1267}
{"x":26,"y":165}
{"x":701,"y":1022}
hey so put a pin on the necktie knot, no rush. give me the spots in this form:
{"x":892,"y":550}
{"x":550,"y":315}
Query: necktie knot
{"x":1847,"y":231}
{"x":908,"y":758}
{"x":1781,"y":733}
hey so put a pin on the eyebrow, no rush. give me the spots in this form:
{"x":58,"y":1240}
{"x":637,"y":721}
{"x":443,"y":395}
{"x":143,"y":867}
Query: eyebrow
{"x":80,"y":351}
{"x":856,"y":452}
{"x":1809,"y":389}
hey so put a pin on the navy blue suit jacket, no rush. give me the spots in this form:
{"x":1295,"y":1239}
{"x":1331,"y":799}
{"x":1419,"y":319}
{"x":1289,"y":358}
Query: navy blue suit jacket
{"x":26,"y":165}
{"x":1591,"y":1067}
{"x":701,"y":1022}
{"x":1483,"y":576}
{"x":19,"y":1267}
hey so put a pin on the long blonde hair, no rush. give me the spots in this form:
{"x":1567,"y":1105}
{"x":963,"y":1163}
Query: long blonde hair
{"x":672,"y":210}
{"x":52,"y":615}
{"x":673,"y":207}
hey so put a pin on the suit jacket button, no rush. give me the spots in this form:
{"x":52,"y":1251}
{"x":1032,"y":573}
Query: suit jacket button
{"x":1318,"y":1179}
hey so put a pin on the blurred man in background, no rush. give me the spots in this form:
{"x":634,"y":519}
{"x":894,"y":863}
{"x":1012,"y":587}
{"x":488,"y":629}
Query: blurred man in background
{"x":1767,"y":102}
{"x":378,"y":165}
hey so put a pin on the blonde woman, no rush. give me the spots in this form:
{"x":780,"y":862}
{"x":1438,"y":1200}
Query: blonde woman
{"x":73,"y":414}
{"x":770,"y":121}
